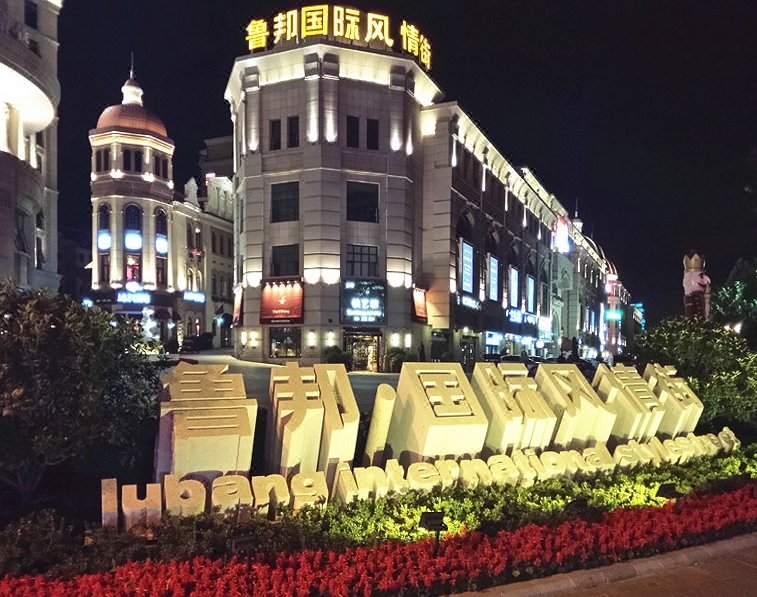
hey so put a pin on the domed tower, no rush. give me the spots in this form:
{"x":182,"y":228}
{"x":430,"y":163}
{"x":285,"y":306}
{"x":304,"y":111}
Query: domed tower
{"x":132,"y":193}
{"x":149,"y":257}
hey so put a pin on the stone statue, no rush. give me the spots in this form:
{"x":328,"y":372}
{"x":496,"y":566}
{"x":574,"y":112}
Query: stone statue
{"x":696,"y":286}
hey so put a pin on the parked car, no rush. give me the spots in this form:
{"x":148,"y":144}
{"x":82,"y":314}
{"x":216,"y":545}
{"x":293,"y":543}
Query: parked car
{"x":190,"y":344}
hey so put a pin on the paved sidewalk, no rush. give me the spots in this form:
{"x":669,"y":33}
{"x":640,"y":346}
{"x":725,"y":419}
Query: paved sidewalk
{"x":723,"y":568}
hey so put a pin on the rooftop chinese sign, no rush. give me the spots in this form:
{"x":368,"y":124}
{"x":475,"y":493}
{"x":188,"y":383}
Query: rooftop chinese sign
{"x":342,"y":24}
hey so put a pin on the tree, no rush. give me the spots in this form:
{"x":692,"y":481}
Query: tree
{"x":716,"y":362}
{"x":735,"y":303}
{"x":69,"y":377}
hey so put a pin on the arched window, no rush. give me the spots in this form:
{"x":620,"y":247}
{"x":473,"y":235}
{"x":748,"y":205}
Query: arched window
{"x":190,"y":280}
{"x":138,"y":161}
{"x":103,"y":217}
{"x":161,"y":222}
{"x":132,"y":218}
{"x":127,"y":160}
{"x":190,"y":236}
{"x":198,"y":282}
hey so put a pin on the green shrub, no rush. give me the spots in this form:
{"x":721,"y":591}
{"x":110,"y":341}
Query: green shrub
{"x":334,"y":354}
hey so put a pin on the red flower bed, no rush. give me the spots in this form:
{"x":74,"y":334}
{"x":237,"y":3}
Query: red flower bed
{"x":473,"y":559}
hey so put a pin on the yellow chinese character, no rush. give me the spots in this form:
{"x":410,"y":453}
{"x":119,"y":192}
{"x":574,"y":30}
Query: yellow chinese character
{"x":257,"y":32}
{"x":347,"y":23}
{"x":410,"y":36}
{"x":285,"y":26}
{"x":378,"y":28}
{"x":315,"y":20}
{"x":425,"y":52}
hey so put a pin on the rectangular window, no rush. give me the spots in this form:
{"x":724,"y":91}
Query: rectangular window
{"x":133,"y":268}
{"x":98,"y":161}
{"x":530,"y":294}
{"x":362,"y":202}
{"x":372,"y":131}
{"x":293,"y":131}
{"x":39,"y":254}
{"x":285,"y":260}
{"x":274,"y":141}
{"x":285,"y":343}
{"x":353,"y":131}
{"x":514,"y":288}
{"x":31,"y":14}
{"x":138,"y":161}
{"x":164,"y":163}
{"x":230,"y":245}
{"x":213,"y":245}
{"x":156,"y":165}
{"x":33,"y":45}
{"x":127,"y":160}
{"x":493,"y":278}
{"x":160,"y":271}
{"x":285,"y":202}
{"x":223,"y":288}
{"x":103,"y":268}
{"x":106,"y":160}
{"x":362,"y":261}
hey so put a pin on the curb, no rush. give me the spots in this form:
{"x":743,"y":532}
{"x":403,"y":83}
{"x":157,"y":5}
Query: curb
{"x":587,"y":579}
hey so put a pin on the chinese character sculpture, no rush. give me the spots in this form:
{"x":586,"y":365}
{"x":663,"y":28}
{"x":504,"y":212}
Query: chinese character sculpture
{"x":696,"y":286}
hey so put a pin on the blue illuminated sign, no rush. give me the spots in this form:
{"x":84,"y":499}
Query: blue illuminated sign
{"x":466,"y":264}
{"x":103,"y":240}
{"x":493,"y":278}
{"x":194,"y":297}
{"x":133,"y":240}
{"x":133,"y":298}
{"x":161,"y":244}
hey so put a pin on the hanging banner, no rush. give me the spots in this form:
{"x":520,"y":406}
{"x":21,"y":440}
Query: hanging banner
{"x":419,"y":305}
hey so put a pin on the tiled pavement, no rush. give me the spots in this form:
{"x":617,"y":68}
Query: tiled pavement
{"x":726,"y":568}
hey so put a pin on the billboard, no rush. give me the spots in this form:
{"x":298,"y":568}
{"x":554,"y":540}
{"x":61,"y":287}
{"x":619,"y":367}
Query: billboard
{"x":466,"y":266}
{"x":363,"y":301}
{"x":281,"y":302}
{"x":493,"y":291}
{"x":419,"y":305}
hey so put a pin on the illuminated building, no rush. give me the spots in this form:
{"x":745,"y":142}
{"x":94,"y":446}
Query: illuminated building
{"x":157,"y":255}
{"x":29,"y":95}
{"x":372,"y":215}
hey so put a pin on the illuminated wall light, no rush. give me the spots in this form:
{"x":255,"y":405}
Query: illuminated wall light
{"x":525,"y":216}
{"x":483,"y":177}
{"x":330,"y":127}
{"x":116,"y":173}
{"x":395,"y":340}
{"x":330,"y":276}
{"x":453,"y":160}
{"x":428,"y":125}
{"x":408,"y":281}
{"x":133,"y":240}
{"x":103,"y":240}
{"x":396,"y":141}
{"x":311,"y":339}
{"x":253,"y":279}
{"x":243,"y":337}
{"x":148,"y":176}
{"x":161,"y":244}
{"x":395,"y":279}
{"x":330,"y":339}
{"x":408,"y":340}
{"x":92,"y":176}
{"x":452,"y":283}
{"x":116,"y":285}
{"x":409,"y":144}
{"x":254,"y":339}
{"x":312,"y":275}
{"x":170,"y":184}
{"x":507,"y":197}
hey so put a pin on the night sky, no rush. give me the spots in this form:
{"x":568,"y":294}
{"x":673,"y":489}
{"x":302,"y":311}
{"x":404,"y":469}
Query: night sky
{"x":642,"y":112}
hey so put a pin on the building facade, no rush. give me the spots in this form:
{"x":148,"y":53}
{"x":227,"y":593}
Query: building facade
{"x":371,"y":215}
{"x":29,"y":96}
{"x":159,"y":257}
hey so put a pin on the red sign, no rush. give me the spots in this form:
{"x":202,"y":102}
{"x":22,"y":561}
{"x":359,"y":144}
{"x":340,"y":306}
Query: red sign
{"x":237,"y":317}
{"x":281,"y":302}
{"x":419,"y":305}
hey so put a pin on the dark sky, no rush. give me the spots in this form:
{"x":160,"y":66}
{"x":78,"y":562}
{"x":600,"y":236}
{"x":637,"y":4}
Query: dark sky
{"x":642,"y":111}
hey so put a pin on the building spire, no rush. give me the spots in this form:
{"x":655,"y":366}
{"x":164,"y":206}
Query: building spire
{"x":575,"y":213}
{"x":131,"y":70}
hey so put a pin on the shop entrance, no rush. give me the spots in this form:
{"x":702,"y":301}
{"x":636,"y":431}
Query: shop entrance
{"x":468,"y":350}
{"x":365,"y":349}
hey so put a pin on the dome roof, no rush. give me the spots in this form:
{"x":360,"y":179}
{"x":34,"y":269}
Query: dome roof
{"x":131,"y":114}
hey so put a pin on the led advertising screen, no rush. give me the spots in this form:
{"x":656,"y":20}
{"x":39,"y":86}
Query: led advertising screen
{"x":281,"y":302}
{"x":493,"y":278}
{"x":514,"y":288}
{"x":363,"y":301}
{"x":466,"y":266}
